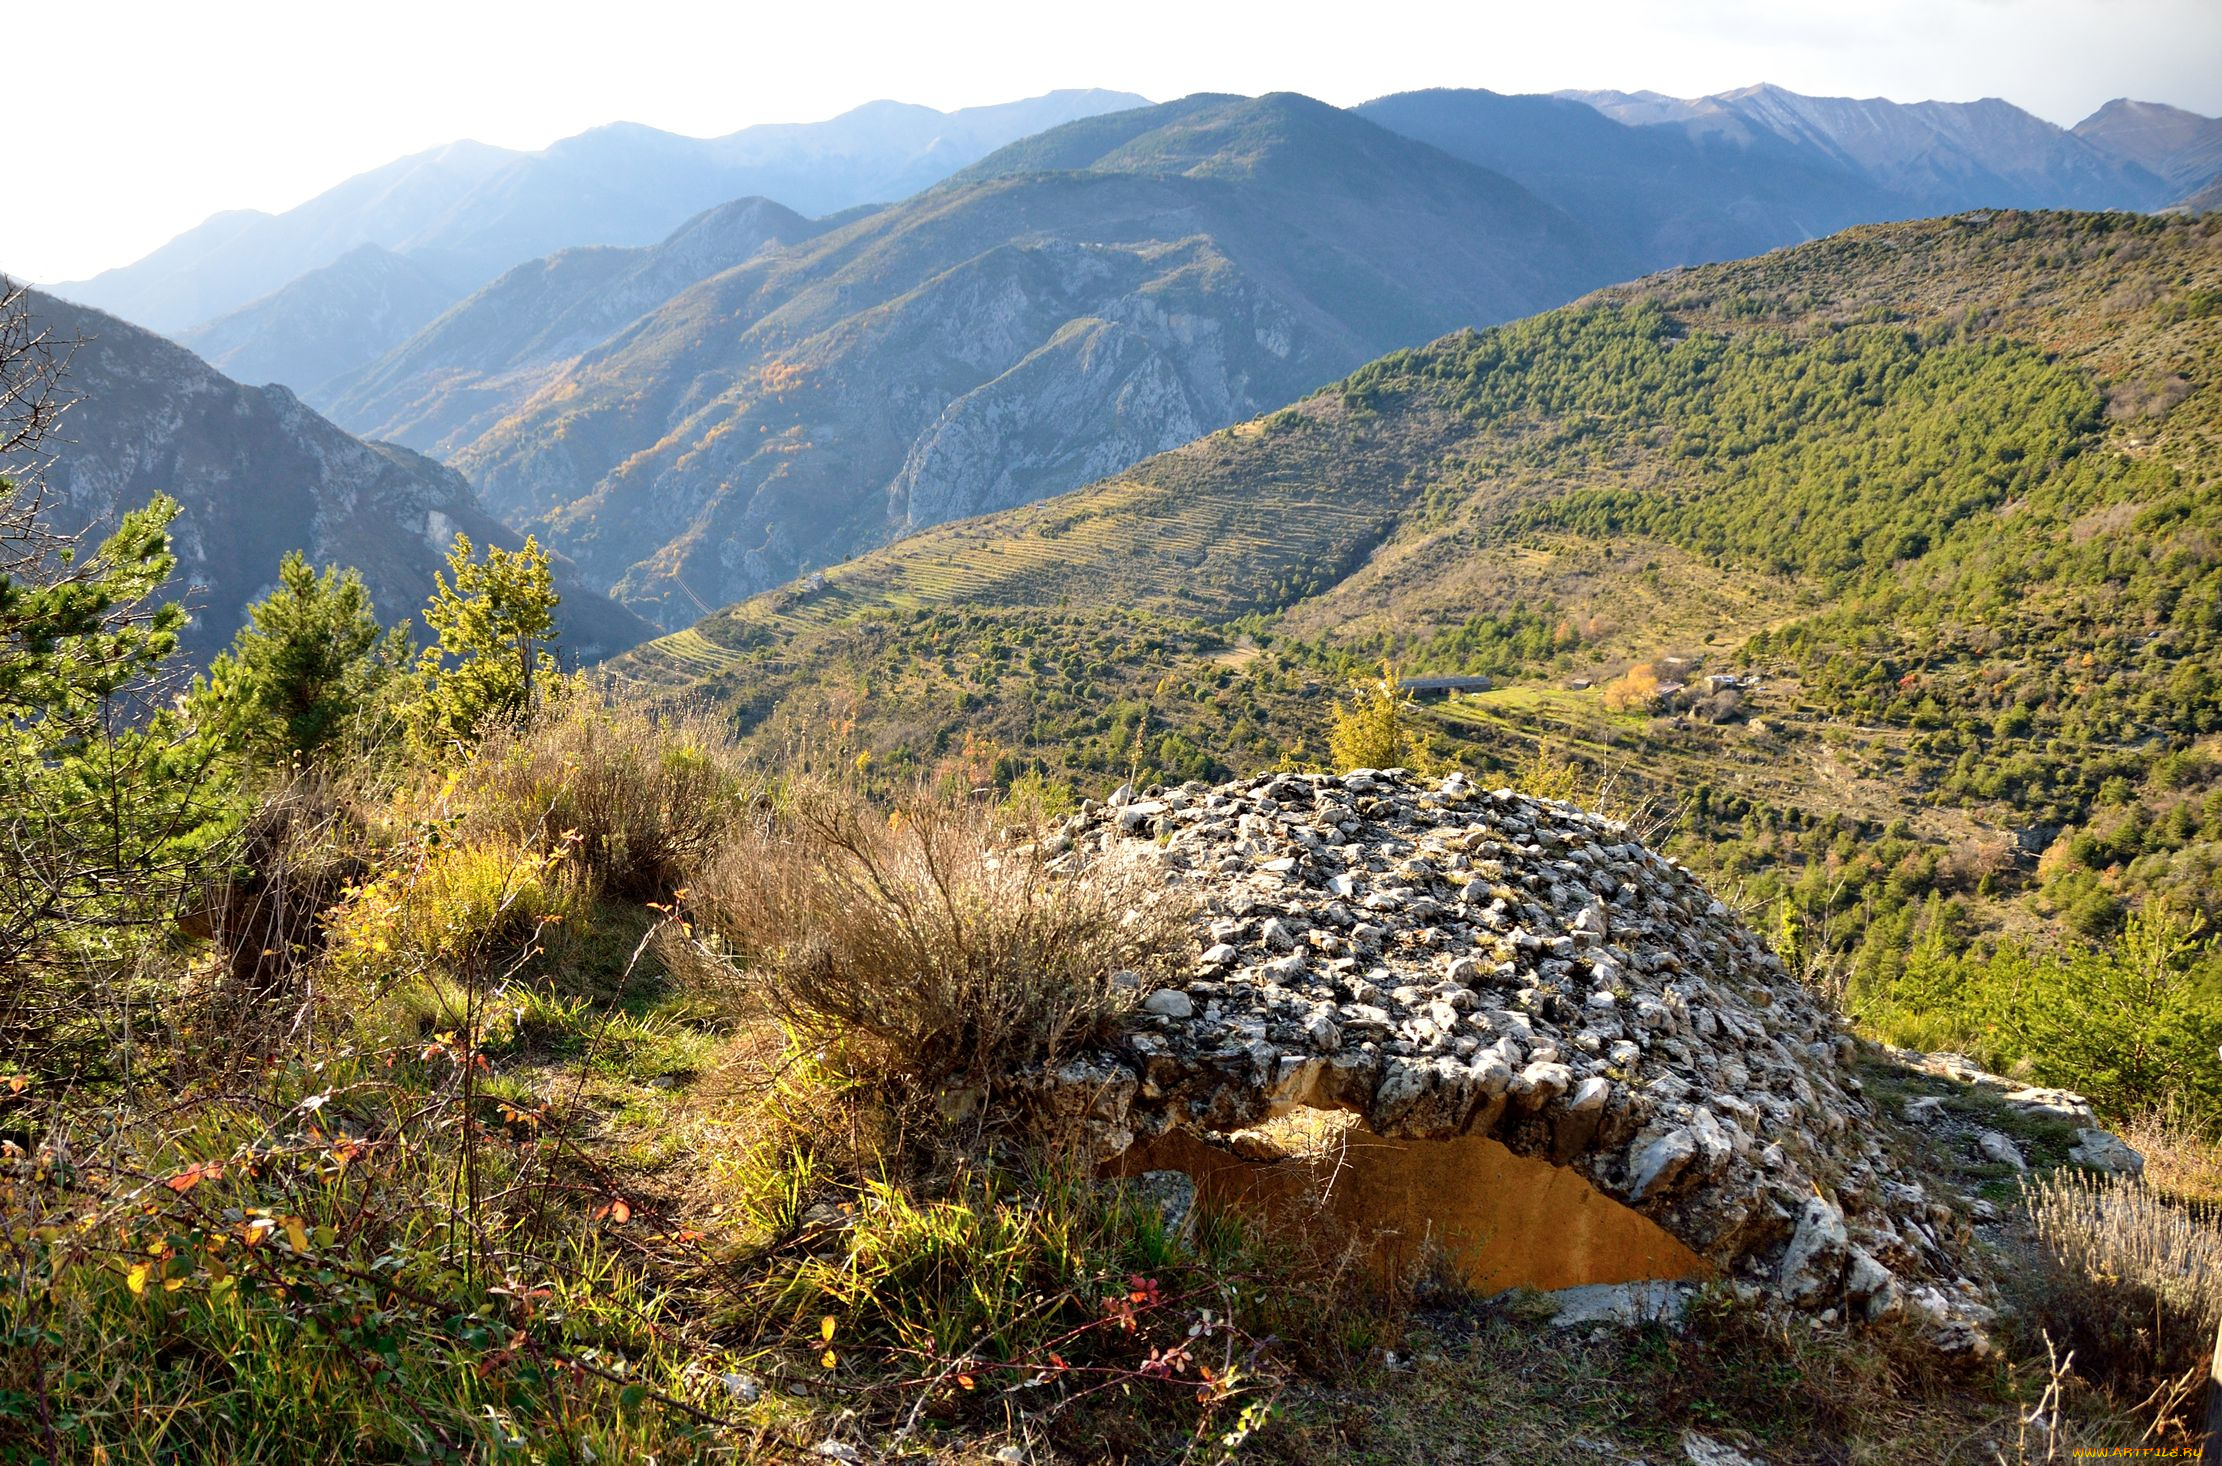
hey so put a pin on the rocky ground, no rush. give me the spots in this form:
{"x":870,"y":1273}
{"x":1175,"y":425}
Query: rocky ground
{"x":1447,"y":960}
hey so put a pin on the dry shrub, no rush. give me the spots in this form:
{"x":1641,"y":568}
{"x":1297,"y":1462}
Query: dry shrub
{"x":2137,"y":1285}
{"x":927,"y":943}
{"x":642,"y":797}
{"x":2183,"y":1156}
{"x":300,"y":853}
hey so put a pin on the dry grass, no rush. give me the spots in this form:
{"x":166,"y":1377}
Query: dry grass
{"x":2183,"y":1157}
{"x":925,"y":943}
{"x":2136,"y":1286}
{"x":641,"y":797}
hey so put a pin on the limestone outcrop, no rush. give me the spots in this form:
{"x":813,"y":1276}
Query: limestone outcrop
{"x":1452,"y":961}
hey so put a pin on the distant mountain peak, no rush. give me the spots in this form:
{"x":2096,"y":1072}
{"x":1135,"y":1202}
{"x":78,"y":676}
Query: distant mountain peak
{"x":468,"y":211}
{"x":2181,"y":146}
{"x":1937,"y":156}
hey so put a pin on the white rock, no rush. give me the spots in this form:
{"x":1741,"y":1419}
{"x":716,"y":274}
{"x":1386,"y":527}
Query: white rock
{"x":2102,"y":1150}
{"x":2000,"y":1149}
{"x":1814,"y":1264}
{"x":1701,"y":1450}
{"x":1169,"y":1003}
{"x":1626,"y":1304}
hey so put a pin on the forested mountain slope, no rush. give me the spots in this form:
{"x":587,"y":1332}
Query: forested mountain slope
{"x":1944,"y":495}
{"x":1090,"y":297}
{"x":258,"y":474}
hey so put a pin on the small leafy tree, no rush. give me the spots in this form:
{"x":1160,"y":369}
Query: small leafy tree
{"x":306,"y":667}
{"x":493,"y":630}
{"x":1635,"y":690}
{"x":1371,"y":727}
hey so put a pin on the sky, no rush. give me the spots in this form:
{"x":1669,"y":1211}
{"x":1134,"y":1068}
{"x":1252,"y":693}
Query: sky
{"x":151,"y":116}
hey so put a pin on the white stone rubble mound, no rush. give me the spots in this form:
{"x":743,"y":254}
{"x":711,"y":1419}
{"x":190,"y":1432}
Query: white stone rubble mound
{"x":1448,"y":960}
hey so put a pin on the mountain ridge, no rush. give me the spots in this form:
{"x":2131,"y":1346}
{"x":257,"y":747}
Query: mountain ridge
{"x":317,"y":326}
{"x":467,"y":211}
{"x":1941,"y":157}
{"x":258,"y":473}
{"x":2180,"y":146}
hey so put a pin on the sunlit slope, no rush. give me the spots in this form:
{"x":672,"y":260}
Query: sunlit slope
{"x":1955,"y":478}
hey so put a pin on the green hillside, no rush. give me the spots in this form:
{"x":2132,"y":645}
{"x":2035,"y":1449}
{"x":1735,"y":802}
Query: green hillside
{"x":1071,"y":306}
{"x":1945,"y":492}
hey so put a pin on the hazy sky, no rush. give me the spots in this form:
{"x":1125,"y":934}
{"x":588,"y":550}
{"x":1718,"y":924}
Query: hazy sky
{"x":134,"y":121}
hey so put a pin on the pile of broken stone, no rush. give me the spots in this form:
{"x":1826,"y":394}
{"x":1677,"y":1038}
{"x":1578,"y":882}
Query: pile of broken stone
{"x":1448,"y":960}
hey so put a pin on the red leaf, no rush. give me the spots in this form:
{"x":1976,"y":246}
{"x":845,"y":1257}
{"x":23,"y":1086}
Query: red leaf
{"x":192,"y":1176}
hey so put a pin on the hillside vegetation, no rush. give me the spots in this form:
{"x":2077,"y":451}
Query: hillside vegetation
{"x":409,"y":1052}
{"x":1071,"y":305}
{"x":1945,"y":491}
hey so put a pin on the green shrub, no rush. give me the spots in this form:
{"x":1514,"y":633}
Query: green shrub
{"x":1372,"y":727}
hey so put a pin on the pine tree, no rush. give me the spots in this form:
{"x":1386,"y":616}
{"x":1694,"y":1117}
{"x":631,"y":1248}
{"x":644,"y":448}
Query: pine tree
{"x":111,"y":805}
{"x":304,"y":670}
{"x":494,"y":628}
{"x":1370,"y":728}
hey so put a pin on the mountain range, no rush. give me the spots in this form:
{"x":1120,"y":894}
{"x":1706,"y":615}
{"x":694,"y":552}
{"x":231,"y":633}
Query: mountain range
{"x":1082,"y":299}
{"x":257,"y":473}
{"x":296,"y":298}
{"x":1933,"y":501}
{"x":1935,"y":157}
{"x":758,"y":392}
{"x":753,"y":424}
{"x":466,"y":211}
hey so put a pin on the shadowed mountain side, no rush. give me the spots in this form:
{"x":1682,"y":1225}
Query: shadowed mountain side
{"x":325,"y":323}
{"x":456,"y":377}
{"x":258,"y":474}
{"x":1683,"y":199}
{"x":1009,"y":335}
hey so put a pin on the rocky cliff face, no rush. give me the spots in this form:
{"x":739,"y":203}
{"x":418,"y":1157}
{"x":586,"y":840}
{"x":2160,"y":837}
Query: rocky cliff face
{"x":1008,"y":336}
{"x":1150,"y":372}
{"x":258,"y":473}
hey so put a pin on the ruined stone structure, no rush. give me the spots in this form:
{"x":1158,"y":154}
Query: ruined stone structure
{"x":1456,"y":964}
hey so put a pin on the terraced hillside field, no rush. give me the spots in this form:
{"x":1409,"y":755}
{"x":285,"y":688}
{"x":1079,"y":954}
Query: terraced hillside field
{"x":1942,"y":498}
